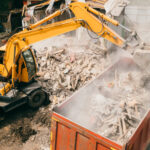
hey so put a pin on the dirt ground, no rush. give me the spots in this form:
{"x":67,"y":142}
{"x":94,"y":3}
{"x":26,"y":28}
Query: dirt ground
{"x":25,"y":129}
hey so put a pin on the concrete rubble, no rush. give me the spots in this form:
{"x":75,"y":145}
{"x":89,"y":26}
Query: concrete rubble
{"x":61,"y":72}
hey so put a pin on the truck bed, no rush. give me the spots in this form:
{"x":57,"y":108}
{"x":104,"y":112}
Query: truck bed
{"x":74,"y":125}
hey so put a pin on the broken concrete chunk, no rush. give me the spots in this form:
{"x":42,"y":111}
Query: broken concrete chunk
{"x":66,"y":70}
{"x":47,"y":76}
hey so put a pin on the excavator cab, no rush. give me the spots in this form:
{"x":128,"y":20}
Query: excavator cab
{"x":28,"y":67}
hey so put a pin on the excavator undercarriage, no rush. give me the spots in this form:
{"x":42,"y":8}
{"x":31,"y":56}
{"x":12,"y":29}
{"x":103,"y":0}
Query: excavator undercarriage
{"x":31,"y":94}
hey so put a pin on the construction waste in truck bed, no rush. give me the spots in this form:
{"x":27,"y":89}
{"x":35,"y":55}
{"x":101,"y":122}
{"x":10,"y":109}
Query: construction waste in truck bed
{"x":121,"y":105}
{"x":113,"y":104}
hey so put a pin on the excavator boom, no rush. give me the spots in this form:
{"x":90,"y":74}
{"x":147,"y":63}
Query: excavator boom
{"x":83,"y":17}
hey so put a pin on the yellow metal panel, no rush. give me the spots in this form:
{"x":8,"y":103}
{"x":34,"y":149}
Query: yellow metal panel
{"x":24,"y":75}
{"x":1,"y":68}
{"x":5,"y":89}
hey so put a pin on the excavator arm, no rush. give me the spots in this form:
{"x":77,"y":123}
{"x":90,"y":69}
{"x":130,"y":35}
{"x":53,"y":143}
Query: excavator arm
{"x":17,"y":47}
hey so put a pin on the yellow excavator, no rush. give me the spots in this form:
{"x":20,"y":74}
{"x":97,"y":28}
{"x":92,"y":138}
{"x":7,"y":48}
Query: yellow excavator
{"x":17,"y":59}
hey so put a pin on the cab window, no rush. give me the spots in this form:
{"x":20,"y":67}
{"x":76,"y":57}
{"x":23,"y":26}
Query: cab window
{"x":1,"y":57}
{"x":30,"y":63}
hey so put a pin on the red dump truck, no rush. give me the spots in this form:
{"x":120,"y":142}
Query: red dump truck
{"x":72,"y":126}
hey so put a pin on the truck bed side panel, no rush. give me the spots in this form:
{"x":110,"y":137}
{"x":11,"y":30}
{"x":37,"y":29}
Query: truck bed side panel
{"x":66,"y":135}
{"x":141,"y":138}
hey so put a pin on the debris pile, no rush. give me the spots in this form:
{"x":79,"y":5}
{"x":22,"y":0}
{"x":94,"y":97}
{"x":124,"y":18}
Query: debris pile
{"x":120,"y":108}
{"x":62,"y":72}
